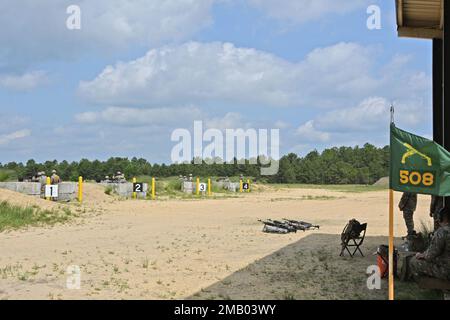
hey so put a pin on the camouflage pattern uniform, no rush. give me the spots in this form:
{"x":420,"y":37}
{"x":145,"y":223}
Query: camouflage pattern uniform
{"x":42,"y":179}
{"x":119,"y":177}
{"x":437,"y":258}
{"x":55,"y":179}
{"x":408,"y":204}
{"x":436,"y":205}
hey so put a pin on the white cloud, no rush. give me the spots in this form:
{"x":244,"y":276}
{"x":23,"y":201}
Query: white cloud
{"x":7,"y":138}
{"x":230,"y":120}
{"x":301,"y":11}
{"x":369,"y":115}
{"x":279,"y":124}
{"x":220,"y":72}
{"x":38,"y":32}
{"x":308,"y":133}
{"x":369,"y":118}
{"x":23,"y":82}
{"x":140,"y":117}
{"x":162,"y":117}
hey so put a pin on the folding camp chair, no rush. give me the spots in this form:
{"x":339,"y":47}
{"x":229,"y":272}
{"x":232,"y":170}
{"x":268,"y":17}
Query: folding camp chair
{"x":353,"y":241}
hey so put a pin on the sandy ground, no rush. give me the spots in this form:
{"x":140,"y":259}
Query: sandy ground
{"x":193,"y":249}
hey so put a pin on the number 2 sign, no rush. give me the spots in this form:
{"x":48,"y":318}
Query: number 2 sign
{"x":138,"y":187}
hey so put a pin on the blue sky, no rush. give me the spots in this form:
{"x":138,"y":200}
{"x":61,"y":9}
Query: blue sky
{"x":137,"y":70}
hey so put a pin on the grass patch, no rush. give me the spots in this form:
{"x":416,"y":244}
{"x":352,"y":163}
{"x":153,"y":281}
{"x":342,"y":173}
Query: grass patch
{"x":350,"y":188}
{"x":108,"y":190}
{"x":426,"y":229}
{"x":308,"y":197}
{"x":411,"y":291}
{"x":15,"y":217}
{"x":7,"y":175}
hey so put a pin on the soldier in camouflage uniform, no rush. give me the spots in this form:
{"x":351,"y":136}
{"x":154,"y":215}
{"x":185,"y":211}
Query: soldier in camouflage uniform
{"x":55,"y":179}
{"x":42,"y":179}
{"x":437,"y":203}
{"x":408,"y":204}
{"x":119,"y":177}
{"x":435,"y":261}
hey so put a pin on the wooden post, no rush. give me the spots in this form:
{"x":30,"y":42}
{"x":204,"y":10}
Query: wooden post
{"x":391,"y":244}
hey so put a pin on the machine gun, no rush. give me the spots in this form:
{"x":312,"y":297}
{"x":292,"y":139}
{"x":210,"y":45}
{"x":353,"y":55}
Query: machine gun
{"x":273,"y":227}
{"x":302,"y":225}
{"x":285,"y":225}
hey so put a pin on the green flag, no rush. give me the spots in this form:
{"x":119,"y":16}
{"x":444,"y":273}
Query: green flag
{"x":418,"y":165}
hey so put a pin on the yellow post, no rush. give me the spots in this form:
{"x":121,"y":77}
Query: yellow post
{"x":391,"y":244}
{"x":153,"y":189}
{"x":48,"y":182}
{"x":198,"y":186}
{"x":240,"y":185}
{"x":80,"y":189}
{"x":248,"y":182}
{"x":209,"y":186}
{"x":134,"y":193}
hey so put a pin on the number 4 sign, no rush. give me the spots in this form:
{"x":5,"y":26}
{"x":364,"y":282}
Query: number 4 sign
{"x":51,"y":191}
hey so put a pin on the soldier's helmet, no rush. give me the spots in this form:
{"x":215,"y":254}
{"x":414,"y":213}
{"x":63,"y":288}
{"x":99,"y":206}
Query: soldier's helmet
{"x":54,"y":171}
{"x":106,"y":177}
{"x":119,"y":173}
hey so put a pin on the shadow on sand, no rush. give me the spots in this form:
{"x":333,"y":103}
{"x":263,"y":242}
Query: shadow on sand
{"x":311,"y":268}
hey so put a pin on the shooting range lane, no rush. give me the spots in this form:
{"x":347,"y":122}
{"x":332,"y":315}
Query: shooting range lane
{"x":173,"y":249}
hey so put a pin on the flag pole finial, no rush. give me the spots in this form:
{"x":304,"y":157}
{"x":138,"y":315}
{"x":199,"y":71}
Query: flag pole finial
{"x":392,"y":113}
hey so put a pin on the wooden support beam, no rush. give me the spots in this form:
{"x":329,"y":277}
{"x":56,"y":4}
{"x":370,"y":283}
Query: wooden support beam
{"x":438,"y":98}
{"x":446,"y":75}
{"x":422,"y":33}
{"x":400,"y":12}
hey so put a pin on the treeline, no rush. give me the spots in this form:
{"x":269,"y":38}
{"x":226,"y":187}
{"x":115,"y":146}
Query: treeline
{"x":344,"y":165}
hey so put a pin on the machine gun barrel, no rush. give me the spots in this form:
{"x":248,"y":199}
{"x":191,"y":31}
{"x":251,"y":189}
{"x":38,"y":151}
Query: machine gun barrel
{"x":305,"y":225}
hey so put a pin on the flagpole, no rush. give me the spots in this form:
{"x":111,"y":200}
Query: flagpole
{"x":391,"y":244}
{"x":391,"y":224}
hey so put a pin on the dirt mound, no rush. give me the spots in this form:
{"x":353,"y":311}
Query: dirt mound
{"x":23,"y":200}
{"x":383,"y":182}
{"x":94,"y":193}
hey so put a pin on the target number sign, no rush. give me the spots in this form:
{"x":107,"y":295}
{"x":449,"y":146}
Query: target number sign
{"x":51,"y":191}
{"x":245,"y":186}
{"x":202,"y":187}
{"x":138,"y":187}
